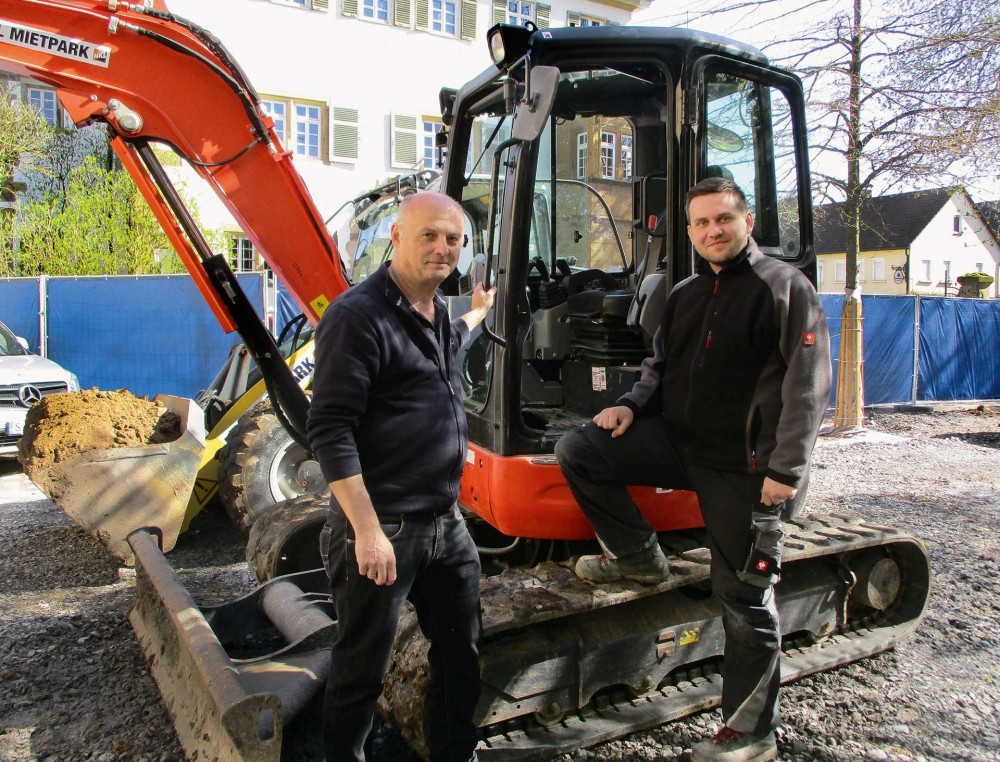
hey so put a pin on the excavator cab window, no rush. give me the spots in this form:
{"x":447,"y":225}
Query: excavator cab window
{"x":753,"y":138}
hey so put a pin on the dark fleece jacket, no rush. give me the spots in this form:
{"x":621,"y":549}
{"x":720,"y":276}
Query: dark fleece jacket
{"x":387,"y":400}
{"x":741,"y":368}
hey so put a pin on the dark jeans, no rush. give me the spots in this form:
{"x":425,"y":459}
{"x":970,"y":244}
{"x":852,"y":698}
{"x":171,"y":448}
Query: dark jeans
{"x":437,"y":568}
{"x":598,"y":470}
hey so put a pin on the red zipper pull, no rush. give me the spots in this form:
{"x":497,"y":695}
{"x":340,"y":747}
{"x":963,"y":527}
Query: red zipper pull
{"x":708,"y":339}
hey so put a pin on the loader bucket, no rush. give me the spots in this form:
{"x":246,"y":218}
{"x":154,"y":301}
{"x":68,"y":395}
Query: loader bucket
{"x":227,"y":708}
{"x":112,"y":492}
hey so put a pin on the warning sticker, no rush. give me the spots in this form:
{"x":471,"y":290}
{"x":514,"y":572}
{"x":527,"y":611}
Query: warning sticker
{"x":599,"y":379}
{"x":56,"y":44}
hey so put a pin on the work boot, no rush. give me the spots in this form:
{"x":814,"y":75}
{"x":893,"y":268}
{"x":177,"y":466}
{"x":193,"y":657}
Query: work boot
{"x":648,"y":566}
{"x":730,"y":745}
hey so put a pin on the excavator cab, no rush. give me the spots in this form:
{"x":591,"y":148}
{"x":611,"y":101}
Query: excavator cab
{"x":572,"y":159}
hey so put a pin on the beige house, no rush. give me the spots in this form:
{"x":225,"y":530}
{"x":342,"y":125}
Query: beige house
{"x":911,"y":243}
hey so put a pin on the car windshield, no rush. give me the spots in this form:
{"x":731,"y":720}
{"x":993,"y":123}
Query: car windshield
{"x":9,"y":345}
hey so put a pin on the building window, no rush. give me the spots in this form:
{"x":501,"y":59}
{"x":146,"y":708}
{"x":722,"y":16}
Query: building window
{"x":819,"y":276}
{"x":626,"y":157}
{"x":925,"y":276}
{"x":444,"y":17}
{"x":316,"y":5}
{"x":308,"y":130}
{"x":574,"y":18}
{"x":375,"y":10}
{"x":431,"y":152}
{"x":861,"y":270}
{"x":581,"y":156}
{"x":608,"y":155}
{"x":278,"y":111}
{"x":979,"y":267}
{"x":241,"y":254}
{"x":299,"y":124}
{"x":840,"y":274}
{"x":878,"y":270}
{"x":957,"y":225}
{"x":520,"y":13}
{"x":46,"y":103}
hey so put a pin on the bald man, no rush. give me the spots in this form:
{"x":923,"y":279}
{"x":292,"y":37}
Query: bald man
{"x":388,"y":427}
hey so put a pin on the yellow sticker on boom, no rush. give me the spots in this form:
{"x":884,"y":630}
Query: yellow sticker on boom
{"x":319,"y":304}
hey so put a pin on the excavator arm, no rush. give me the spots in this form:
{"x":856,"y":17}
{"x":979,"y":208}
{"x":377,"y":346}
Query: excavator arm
{"x":155,"y":78}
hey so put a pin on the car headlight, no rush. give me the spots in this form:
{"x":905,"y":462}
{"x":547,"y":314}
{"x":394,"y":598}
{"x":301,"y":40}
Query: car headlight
{"x":74,"y":383}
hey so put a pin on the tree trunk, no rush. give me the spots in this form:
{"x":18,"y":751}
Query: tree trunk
{"x":849,"y":402}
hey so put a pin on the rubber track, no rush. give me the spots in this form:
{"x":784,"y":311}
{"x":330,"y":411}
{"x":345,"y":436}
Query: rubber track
{"x":697,"y":688}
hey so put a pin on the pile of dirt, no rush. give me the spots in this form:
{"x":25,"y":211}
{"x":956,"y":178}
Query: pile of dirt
{"x":64,"y":425}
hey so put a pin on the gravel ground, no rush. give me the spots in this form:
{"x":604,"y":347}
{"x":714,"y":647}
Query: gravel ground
{"x":73,"y":685}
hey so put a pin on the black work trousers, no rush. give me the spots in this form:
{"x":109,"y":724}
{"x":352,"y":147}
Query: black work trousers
{"x":437,"y":569}
{"x":599,"y":469}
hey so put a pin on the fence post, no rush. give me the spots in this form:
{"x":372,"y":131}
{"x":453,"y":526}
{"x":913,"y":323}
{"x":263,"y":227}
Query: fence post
{"x":43,"y":315}
{"x":916,"y":347}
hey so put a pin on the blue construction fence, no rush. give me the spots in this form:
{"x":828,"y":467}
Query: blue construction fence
{"x":924,"y":348}
{"x":146,"y":333}
{"x":153,"y":334}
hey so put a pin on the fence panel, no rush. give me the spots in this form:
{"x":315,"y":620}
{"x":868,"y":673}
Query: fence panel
{"x":19,"y":308}
{"x":888,"y":336}
{"x":146,"y":333}
{"x":959,"y":342}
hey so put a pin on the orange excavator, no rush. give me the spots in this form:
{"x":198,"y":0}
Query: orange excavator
{"x":570,"y":157}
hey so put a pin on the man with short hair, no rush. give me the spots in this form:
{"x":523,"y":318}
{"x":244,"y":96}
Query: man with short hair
{"x":388,"y":427}
{"x":729,"y":405}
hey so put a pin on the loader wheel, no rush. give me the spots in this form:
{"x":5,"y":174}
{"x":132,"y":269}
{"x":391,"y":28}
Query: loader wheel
{"x":285,"y":538}
{"x":262,"y":465}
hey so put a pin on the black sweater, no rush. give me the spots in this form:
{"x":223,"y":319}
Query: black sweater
{"x":741,"y":368}
{"x":387,"y":400}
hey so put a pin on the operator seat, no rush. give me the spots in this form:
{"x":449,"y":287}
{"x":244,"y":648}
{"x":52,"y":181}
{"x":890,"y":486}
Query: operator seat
{"x":646,"y":310}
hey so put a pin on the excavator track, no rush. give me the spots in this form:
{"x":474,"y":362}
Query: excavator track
{"x":568,"y":665}
{"x":565,"y":664}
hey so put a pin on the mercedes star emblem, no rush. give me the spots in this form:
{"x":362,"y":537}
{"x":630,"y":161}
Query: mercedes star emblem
{"x":29,"y":395}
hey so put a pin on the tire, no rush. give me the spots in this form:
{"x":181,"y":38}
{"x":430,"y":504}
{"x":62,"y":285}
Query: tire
{"x":261,"y":465}
{"x":285,"y":538}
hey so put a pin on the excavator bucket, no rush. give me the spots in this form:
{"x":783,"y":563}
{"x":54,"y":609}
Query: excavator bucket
{"x":112,"y":492}
{"x":227,"y":708}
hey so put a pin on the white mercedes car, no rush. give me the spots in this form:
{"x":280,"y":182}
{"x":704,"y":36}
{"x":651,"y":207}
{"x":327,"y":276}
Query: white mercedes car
{"x":24,"y":379}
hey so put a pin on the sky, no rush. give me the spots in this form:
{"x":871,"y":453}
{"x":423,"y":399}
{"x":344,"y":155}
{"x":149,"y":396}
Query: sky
{"x":761,"y":23}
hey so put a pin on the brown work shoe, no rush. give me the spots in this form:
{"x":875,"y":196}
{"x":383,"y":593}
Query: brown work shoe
{"x":730,"y":745}
{"x":649,"y":567}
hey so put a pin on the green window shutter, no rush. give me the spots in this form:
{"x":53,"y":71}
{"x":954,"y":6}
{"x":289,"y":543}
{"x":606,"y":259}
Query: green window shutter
{"x":321,"y":5}
{"x":349,"y":8}
{"x":401,"y":12}
{"x":343,"y":134}
{"x":499,"y":11}
{"x":572,"y":18}
{"x":468,"y":19}
{"x":542,"y":14}
{"x":404,"y":140}
{"x":423,"y":22}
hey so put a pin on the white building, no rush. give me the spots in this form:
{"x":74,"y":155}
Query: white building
{"x":354,"y":85}
{"x":911,"y":243}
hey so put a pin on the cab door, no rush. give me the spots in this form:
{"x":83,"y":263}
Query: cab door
{"x":746,"y":122}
